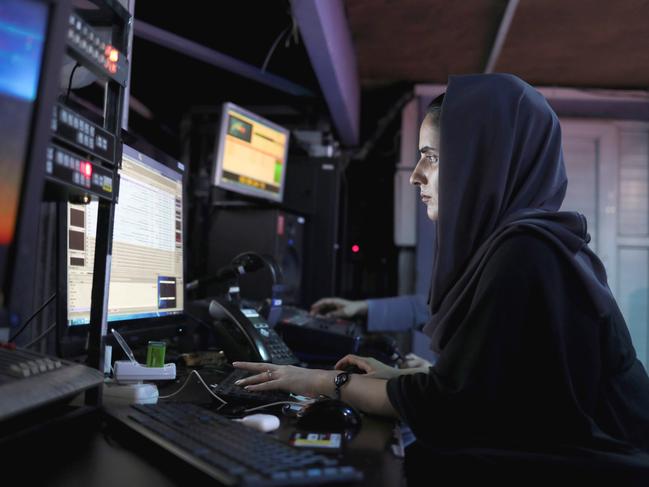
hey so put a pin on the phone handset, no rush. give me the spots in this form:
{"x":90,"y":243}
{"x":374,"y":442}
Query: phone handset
{"x":260,"y":341}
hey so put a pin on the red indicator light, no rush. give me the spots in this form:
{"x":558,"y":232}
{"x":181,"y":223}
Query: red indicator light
{"x":356,"y":249}
{"x":86,"y":169}
{"x":113,"y":55}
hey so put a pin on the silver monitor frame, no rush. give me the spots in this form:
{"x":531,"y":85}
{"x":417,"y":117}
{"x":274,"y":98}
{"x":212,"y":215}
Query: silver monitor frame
{"x":217,"y":166}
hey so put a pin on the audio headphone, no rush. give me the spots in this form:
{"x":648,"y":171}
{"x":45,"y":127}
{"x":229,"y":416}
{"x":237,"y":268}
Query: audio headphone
{"x":250,"y":261}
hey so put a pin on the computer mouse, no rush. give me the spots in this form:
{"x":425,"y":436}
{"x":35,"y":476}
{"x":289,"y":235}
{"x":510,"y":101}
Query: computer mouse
{"x":260,"y":422}
{"x":326,"y":415}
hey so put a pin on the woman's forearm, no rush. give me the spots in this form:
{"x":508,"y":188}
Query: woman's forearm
{"x":365,"y":393}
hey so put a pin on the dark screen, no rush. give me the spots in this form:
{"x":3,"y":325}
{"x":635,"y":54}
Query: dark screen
{"x":23,"y":26}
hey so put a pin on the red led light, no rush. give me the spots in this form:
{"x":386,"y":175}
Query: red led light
{"x":113,"y":55}
{"x":86,"y":169}
{"x":355,"y":248}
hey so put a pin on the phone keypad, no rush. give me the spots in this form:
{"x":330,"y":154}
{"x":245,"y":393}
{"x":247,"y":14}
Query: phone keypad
{"x":279,"y":352}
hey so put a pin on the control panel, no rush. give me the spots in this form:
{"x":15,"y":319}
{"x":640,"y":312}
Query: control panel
{"x":63,"y":166}
{"x":78,"y":131}
{"x":92,"y":51}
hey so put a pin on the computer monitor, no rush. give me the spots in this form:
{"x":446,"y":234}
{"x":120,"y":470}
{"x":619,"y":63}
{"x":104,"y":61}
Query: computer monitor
{"x":146,"y":272}
{"x":251,"y":154}
{"x":31,"y":50}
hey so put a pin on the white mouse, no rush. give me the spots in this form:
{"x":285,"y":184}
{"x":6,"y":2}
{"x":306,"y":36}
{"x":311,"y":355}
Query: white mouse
{"x":261,"y":422}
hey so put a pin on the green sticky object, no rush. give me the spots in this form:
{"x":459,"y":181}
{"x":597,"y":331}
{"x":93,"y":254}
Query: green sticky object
{"x":155,"y":354}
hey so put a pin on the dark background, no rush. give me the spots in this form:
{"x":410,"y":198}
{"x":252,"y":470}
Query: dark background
{"x":170,"y":85}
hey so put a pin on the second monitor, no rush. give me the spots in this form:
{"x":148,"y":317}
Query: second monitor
{"x":147,"y":261}
{"x":251,"y":154}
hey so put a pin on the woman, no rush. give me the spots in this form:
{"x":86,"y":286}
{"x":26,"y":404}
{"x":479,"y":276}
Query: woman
{"x":533,"y":353}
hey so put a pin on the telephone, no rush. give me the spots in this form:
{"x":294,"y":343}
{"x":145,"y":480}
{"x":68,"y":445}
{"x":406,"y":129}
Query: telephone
{"x":243,"y":333}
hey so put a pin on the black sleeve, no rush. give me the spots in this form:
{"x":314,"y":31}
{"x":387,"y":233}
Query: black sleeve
{"x":492,"y":372}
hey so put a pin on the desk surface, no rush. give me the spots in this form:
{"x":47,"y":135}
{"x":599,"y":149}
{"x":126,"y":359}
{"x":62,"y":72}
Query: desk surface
{"x":96,"y":451}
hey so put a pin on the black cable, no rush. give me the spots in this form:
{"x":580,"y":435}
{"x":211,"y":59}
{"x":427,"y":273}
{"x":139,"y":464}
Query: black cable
{"x":76,"y":65}
{"x":34,"y":314}
{"x":383,"y":124}
{"x":41,"y":336}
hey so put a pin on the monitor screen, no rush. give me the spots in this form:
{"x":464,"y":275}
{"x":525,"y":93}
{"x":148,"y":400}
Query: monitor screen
{"x":23,"y":26}
{"x":251,"y":154}
{"x":146,"y":275}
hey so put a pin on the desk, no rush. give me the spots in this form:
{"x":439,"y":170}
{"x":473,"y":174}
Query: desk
{"x":97,"y":451}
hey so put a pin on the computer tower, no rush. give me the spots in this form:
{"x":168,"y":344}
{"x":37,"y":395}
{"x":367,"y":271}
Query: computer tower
{"x":269,"y":231}
{"x":314,"y":188}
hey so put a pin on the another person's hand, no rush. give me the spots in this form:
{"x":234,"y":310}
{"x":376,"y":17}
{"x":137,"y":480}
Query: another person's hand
{"x":339,"y":308}
{"x":371,"y":366}
{"x":298,"y":380}
{"x":413,"y":361}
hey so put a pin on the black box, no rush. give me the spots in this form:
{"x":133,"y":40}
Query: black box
{"x":269,"y":231}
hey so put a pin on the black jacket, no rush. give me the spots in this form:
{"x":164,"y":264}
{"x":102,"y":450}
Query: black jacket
{"x":531,"y":367}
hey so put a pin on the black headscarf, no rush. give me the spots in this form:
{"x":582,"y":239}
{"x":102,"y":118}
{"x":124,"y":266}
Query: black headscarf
{"x":501,"y":170}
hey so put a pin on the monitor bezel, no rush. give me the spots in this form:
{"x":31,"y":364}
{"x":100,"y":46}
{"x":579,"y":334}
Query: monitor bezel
{"x":217,"y":166}
{"x":136,"y":325}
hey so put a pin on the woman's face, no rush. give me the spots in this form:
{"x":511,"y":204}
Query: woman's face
{"x":426,"y":171}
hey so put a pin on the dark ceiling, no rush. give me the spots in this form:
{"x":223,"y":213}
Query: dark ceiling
{"x":170,"y":84}
{"x":420,"y":40}
{"x":579,"y":43}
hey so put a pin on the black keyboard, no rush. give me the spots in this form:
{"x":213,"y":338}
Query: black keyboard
{"x":235,"y":454}
{"x":317,"y":339}
{"x":301,"y":317}
{"x":227,"y":390}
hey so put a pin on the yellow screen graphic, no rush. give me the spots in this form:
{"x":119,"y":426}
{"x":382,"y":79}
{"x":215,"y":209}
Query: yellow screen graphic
{"x":253,"y":153}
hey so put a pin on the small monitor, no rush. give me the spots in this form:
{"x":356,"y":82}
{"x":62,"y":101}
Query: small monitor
{"x":251,"y":154}
{"x":146,"y":275}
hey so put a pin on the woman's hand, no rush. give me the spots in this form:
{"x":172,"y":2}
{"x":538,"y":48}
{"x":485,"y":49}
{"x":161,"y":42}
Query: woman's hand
{"x":371,"y":366}
{"x":339,"y":308}
{"x":415,"y":362}
{"x":298,"y":380}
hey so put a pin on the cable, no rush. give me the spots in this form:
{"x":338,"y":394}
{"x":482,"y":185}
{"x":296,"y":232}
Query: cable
{"x":41,"y":336}
{"x":273,"y":47}
{"x":34,"y":314}
{"x":185,"y":383}
{"x":263,"y":406}
{"x":382,"y":125}
{"x":76,"y":65}
{"x":293,"y":29}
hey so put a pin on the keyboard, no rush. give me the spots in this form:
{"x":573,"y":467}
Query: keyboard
{"x":301,"y":317}
{"x":30,"y":380}
{"x":227,"y":390}
{"x":317,"y":339}
{"x":235,"y":454}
